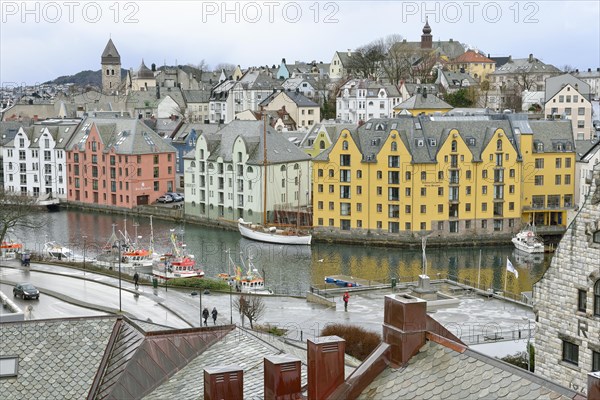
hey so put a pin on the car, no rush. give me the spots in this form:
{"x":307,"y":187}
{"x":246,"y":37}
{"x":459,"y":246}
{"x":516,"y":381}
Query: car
{"x":165,"y":199}
{"x":26,"y":291}
{"x":176,"y":196}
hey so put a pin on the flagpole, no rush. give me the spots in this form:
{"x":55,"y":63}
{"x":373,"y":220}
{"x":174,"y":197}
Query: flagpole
{"x":479,"y":270}
{"x":505,"y":277}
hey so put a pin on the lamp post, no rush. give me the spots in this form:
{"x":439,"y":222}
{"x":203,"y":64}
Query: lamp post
{"x":84,"y":243}
{"x":117,"y":244}
{"x":230,"y":306}
{"x":528,"y":339}
{"x":199,"y":292}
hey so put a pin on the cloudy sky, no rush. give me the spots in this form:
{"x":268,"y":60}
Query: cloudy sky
{"x":43,"y":40}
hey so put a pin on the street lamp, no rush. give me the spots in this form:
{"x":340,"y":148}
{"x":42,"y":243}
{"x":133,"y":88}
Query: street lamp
{"x":117,"y":245}
{"x":528,"y":339}
{"x":199,"y":292}
{"x":84,"y":239}
{"x":230,"y":305}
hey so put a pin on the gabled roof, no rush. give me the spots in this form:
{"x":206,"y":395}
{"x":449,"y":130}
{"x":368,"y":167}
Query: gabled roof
{"x":298,"y":98}
{"x":421,"y":101}
{"x":555,"y":83}
{"x":126,"y":135}
{"x":471,"y":56}
{"x":196,"y":96}
{"x":345,"y":56}
{"x":525,"y":65}
{"x":438,"y":372}
{"x":57,"y":358}
{"x":553,"y":135}
{"x":457,"y":79}
{"x":279,"y":149}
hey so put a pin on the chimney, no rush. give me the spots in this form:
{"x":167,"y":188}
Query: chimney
{"x":589,"y":70}
{"x":404,"y":326}
{"x":226,"y":382}
{"x":325,"y":366}
{"x":349,"y":53}
{"x":593,"y":385}
{"x":509,"y":59}
{"x":35,"y":118}
{"x":282,"y":377}
{"x":530,"y":58}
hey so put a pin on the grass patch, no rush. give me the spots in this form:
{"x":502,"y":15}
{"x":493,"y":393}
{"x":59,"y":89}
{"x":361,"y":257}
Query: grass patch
{"x":200,"y":283}
{"x":359,"y":341}
{"x":273,"y":330}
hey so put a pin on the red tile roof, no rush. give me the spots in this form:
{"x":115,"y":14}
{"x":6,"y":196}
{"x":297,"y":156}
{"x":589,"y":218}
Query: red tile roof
{"x":471,"y":56}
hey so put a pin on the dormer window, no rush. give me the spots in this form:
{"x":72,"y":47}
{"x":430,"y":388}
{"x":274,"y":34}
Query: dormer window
{"x":499,"y":145}
{"x":345,"y":145}
{"x":454,"y":145}
{"x":539,"y":147}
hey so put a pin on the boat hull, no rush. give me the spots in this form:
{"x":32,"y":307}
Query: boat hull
{"x":272,"y":237}
{"x":527,"y":248}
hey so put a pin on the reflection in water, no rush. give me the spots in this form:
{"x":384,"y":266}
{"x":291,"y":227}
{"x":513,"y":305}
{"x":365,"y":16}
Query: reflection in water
{"x":290,"y":269}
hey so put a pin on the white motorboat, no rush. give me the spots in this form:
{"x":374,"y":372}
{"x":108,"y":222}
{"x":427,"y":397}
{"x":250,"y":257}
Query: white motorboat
{"x":57,"y":251}
{"x":528,"y":241}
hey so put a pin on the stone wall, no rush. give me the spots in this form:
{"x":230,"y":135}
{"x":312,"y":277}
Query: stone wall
{"x":575,"y":266}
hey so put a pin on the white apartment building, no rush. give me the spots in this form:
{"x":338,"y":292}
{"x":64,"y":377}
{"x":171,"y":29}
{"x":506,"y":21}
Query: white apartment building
{"x":361,"y":100}
{"x":35,"y":160}
{"x":224,"y":176}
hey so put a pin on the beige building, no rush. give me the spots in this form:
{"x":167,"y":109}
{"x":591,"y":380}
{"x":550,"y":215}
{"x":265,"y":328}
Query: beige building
{"x":569,"y":98}
{"x":301,"y":109}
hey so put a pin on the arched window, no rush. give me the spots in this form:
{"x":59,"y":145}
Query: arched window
{"x":249,"y":170}
{"x":394,"y":146}
{"x":296,"y":166}
{"x":345,"y":145}
{"x":283,"y":168}
{"x":229,"y":167}
{"x":322,"y":145}
{"x":193,"y":164}
{"x":454,"y":145}
{"x":597,"y":298}
{"x":499,"y":144}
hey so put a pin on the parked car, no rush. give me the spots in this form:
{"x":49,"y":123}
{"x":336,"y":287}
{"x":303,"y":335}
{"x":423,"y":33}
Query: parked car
{"x":165,"y":199}
{"x":26,"y":291}
{"x":176,"y":196}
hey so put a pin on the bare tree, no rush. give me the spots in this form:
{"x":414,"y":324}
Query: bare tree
{"x":198,"y":69}
{"x":251,"y":306}
{"x":367,"y":59}
{"x":16,"y":211}
{"x":224,"y":66}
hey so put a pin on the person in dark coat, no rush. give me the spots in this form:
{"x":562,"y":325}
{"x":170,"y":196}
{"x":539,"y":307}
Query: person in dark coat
{"x":136,"y":279}
{"x":205,"y":314}
{"x":214,"y":315}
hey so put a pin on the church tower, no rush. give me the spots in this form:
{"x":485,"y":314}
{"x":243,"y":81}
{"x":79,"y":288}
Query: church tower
{"x":111,"y":68}
{"x":426,"y":37}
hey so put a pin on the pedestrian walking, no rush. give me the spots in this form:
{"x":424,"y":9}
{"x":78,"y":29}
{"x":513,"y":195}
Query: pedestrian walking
{"x":136,"y":279}
{"x":205,"y":314}
{"x":346,"y":297}
{"x":214,"y":315}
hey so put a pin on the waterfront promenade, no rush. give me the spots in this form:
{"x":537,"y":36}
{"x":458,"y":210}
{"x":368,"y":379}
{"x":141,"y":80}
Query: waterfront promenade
{"x":476,"y":319}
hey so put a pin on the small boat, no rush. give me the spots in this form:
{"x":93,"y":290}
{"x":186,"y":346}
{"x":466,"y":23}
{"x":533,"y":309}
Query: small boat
{"x":132,"y":255}
{"x":341,"y":282}
{"x":250,"y":282}
{"x":528,"y":241}
{"x":273,"y":234}
{"x":10,"y":249}
{"x":57,"y":251}
{"x":176,"y":264}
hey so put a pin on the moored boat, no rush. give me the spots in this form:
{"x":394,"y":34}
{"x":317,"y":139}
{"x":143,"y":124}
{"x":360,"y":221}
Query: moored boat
{"x":10,"y":249}
{"x":528,"y":241}
{"x":177,"y":263}
{"x":57,"y":251}
{"x":273,"y":234}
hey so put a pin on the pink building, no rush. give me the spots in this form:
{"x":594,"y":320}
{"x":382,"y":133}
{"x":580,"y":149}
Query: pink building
{"x":118,"y":162}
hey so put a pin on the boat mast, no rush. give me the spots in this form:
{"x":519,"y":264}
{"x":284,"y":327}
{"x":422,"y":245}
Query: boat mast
{"x":151,"y":237}
{"x":265,"y":170}
{"x":298,"y":208}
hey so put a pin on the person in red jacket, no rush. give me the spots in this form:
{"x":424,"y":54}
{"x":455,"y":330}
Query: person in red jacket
{"x":346,"y":297}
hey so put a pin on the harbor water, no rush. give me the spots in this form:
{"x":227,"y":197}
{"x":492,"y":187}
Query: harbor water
{"x":289,"y":269}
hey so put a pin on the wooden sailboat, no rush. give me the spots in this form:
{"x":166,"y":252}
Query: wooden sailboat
{"x":271,"y":234}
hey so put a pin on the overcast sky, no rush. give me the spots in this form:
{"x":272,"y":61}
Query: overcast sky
{"x":43,"y":40}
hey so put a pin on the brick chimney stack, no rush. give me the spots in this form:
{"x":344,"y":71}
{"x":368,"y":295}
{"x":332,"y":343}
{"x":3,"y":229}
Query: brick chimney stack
{"x":325,"y":366}
{"x":283,"y":379}
{"x":224,"y":382}
{"x":404,"y":326}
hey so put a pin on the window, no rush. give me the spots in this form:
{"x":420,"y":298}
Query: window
{"x":407,"y":192}
{"x":440,"y":191}
{"x":345,"y":160}
{"x":468,"y":207}
{"x":484,"y":189}
{"x":596,"y":292}
{"x":539,"y":180}
{"x":570,"y":353}
{"x":567,"y":162}
{"x":539,"y":163}
{"x":423,"y":176}
{"x":423,"y":191}
{"x":379,"y":174}
{"x":359,"y":174}
{"x":454,"y":145}
{"x":511,"y":206}
{"x":484,"y":224}
{"x":511,"y":189}
{"x":581,"y":300}
{"x":483,"y":207}
{"x":440,"y":208}
{"x":468,"y":174}
{"x":423,"y":209}
{"x":559,"y":162}
{"x":407,"y":176}
{"x":595,"y":361}
{"x":484,"y":174}
{"x":557,"y":179}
